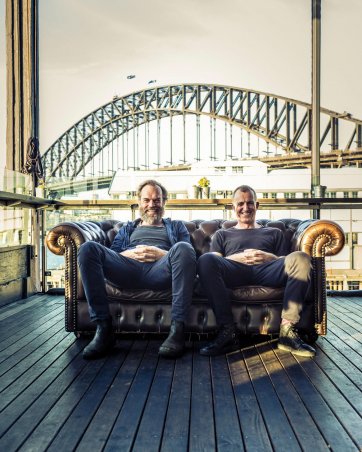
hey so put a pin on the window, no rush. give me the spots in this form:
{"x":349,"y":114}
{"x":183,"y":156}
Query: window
{"x":237,"y":169}
{"x":353,"y":285}
{"x":273,"y":195}
{"x":351,"y":238}
{"x":345,"y":194}
{"x":331,"y":194}
{"x":265,"y":195}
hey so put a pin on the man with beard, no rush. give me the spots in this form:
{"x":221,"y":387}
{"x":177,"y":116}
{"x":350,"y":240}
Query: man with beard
{"x":248,"y":254}
{"x":150,"y":253}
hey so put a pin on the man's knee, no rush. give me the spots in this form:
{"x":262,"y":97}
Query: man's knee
{"x":87,"y":250}
{"x":207,"y":263}
{"x":183,"y":249}
{"x":298,"y":264}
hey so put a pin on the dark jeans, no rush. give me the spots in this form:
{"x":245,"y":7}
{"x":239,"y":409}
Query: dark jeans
{"x":218,"y":275}
{"x":176,"y":269}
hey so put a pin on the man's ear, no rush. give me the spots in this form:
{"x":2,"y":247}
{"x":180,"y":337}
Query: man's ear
{"x":257,"y":204}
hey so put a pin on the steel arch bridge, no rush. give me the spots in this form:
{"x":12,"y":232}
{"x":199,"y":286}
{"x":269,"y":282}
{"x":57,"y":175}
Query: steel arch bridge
{"x":278,"y":121}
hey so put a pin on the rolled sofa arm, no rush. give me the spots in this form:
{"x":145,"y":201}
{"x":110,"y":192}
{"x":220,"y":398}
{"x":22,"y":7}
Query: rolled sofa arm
{"x":66,"y":239}
{"x":319,"y":238}
{"x":77,"y":233}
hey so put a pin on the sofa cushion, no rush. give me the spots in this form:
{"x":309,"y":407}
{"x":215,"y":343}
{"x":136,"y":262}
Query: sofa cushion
{"x":246,"y":293}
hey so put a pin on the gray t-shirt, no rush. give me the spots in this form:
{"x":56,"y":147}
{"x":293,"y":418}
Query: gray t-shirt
{"x":233,"y":240}
{"x":150,"y":235}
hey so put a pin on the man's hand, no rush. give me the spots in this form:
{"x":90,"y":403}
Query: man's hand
{"x":252,"y":257}
{"x":145,"y":253}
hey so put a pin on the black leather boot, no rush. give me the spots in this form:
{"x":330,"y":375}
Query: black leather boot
{"x":174,"y":345}
{"x":226,"y":341}
{"x":102,"y":342}
{"x":290,"y":341}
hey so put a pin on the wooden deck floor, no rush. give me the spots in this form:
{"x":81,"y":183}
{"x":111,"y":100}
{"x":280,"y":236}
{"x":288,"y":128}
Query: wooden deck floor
{"x":256,"y":399}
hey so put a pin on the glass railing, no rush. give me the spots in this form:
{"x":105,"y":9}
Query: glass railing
{"x":15,"y":224}
{"x":15,"y":182}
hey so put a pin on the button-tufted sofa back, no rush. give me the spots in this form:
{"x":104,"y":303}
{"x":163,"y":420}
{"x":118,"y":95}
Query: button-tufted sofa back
{"x":201,"y":231}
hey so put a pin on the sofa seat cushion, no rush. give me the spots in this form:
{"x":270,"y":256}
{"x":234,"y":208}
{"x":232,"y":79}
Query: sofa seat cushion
{"x":257,"y":293}
{"x":245,"y":293}
{"x":138,"y":295}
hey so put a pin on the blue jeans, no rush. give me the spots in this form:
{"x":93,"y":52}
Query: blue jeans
{"x":177,"y":269}
{"x":218,"y":275}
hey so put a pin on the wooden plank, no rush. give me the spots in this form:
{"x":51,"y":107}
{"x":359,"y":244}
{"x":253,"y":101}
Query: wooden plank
{"x":29,"y":355}
{"x":346,"y":308}
{"x":149,"y":435}
{"x":17,"y":325}
{"x":202,"y":430}
{"x":334,"y":348}
{"x":349,"y":304}
{"x":228,"y":435}
{"x":273,"y":413}
{"x":32,"y":404}
{"x":176,"y":430}
{"x":41,"y":301}
{"x":341,"y":408}
{"x":125,"y":428}
{"x":69,"y":394}
{"x":333,"y":305}
{"x":253,"y":429}
{"x":346,"y":345}
{"x":347,"y":324}
{"x":100,"y":427}
{"x":37,"y":375}
{"x":52,"y":399}
{"x":331,"y":429}
{"x":72,"y":430}
{"x":340,"y":375}
{"x":309,"y":437}
{"x":42,"y":330}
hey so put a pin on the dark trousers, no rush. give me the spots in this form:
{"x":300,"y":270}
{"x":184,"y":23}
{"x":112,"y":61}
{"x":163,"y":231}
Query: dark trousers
{"x":176,"y":269}
{"x":218,"y":275}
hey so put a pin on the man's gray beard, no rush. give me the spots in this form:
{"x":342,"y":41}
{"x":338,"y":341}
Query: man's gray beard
{"x":151,"y":219}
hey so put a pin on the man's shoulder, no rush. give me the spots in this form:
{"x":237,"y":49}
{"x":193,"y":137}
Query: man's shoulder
{"x":273,"y":229}
{"x":224,"y":232}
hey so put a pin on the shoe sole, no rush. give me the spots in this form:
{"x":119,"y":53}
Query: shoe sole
{"x":306,"y":354}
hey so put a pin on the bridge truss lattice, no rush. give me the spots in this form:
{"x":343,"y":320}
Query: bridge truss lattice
{"x":283,"y":126}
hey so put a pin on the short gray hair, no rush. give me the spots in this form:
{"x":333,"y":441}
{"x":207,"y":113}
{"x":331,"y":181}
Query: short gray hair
{"x":245,"y":188}
{"x":153,"y":183}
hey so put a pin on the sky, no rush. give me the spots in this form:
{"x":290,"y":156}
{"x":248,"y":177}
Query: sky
{"x":88,"y":47}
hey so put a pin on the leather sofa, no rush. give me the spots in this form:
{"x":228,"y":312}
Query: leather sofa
{"x":256,"y":309}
